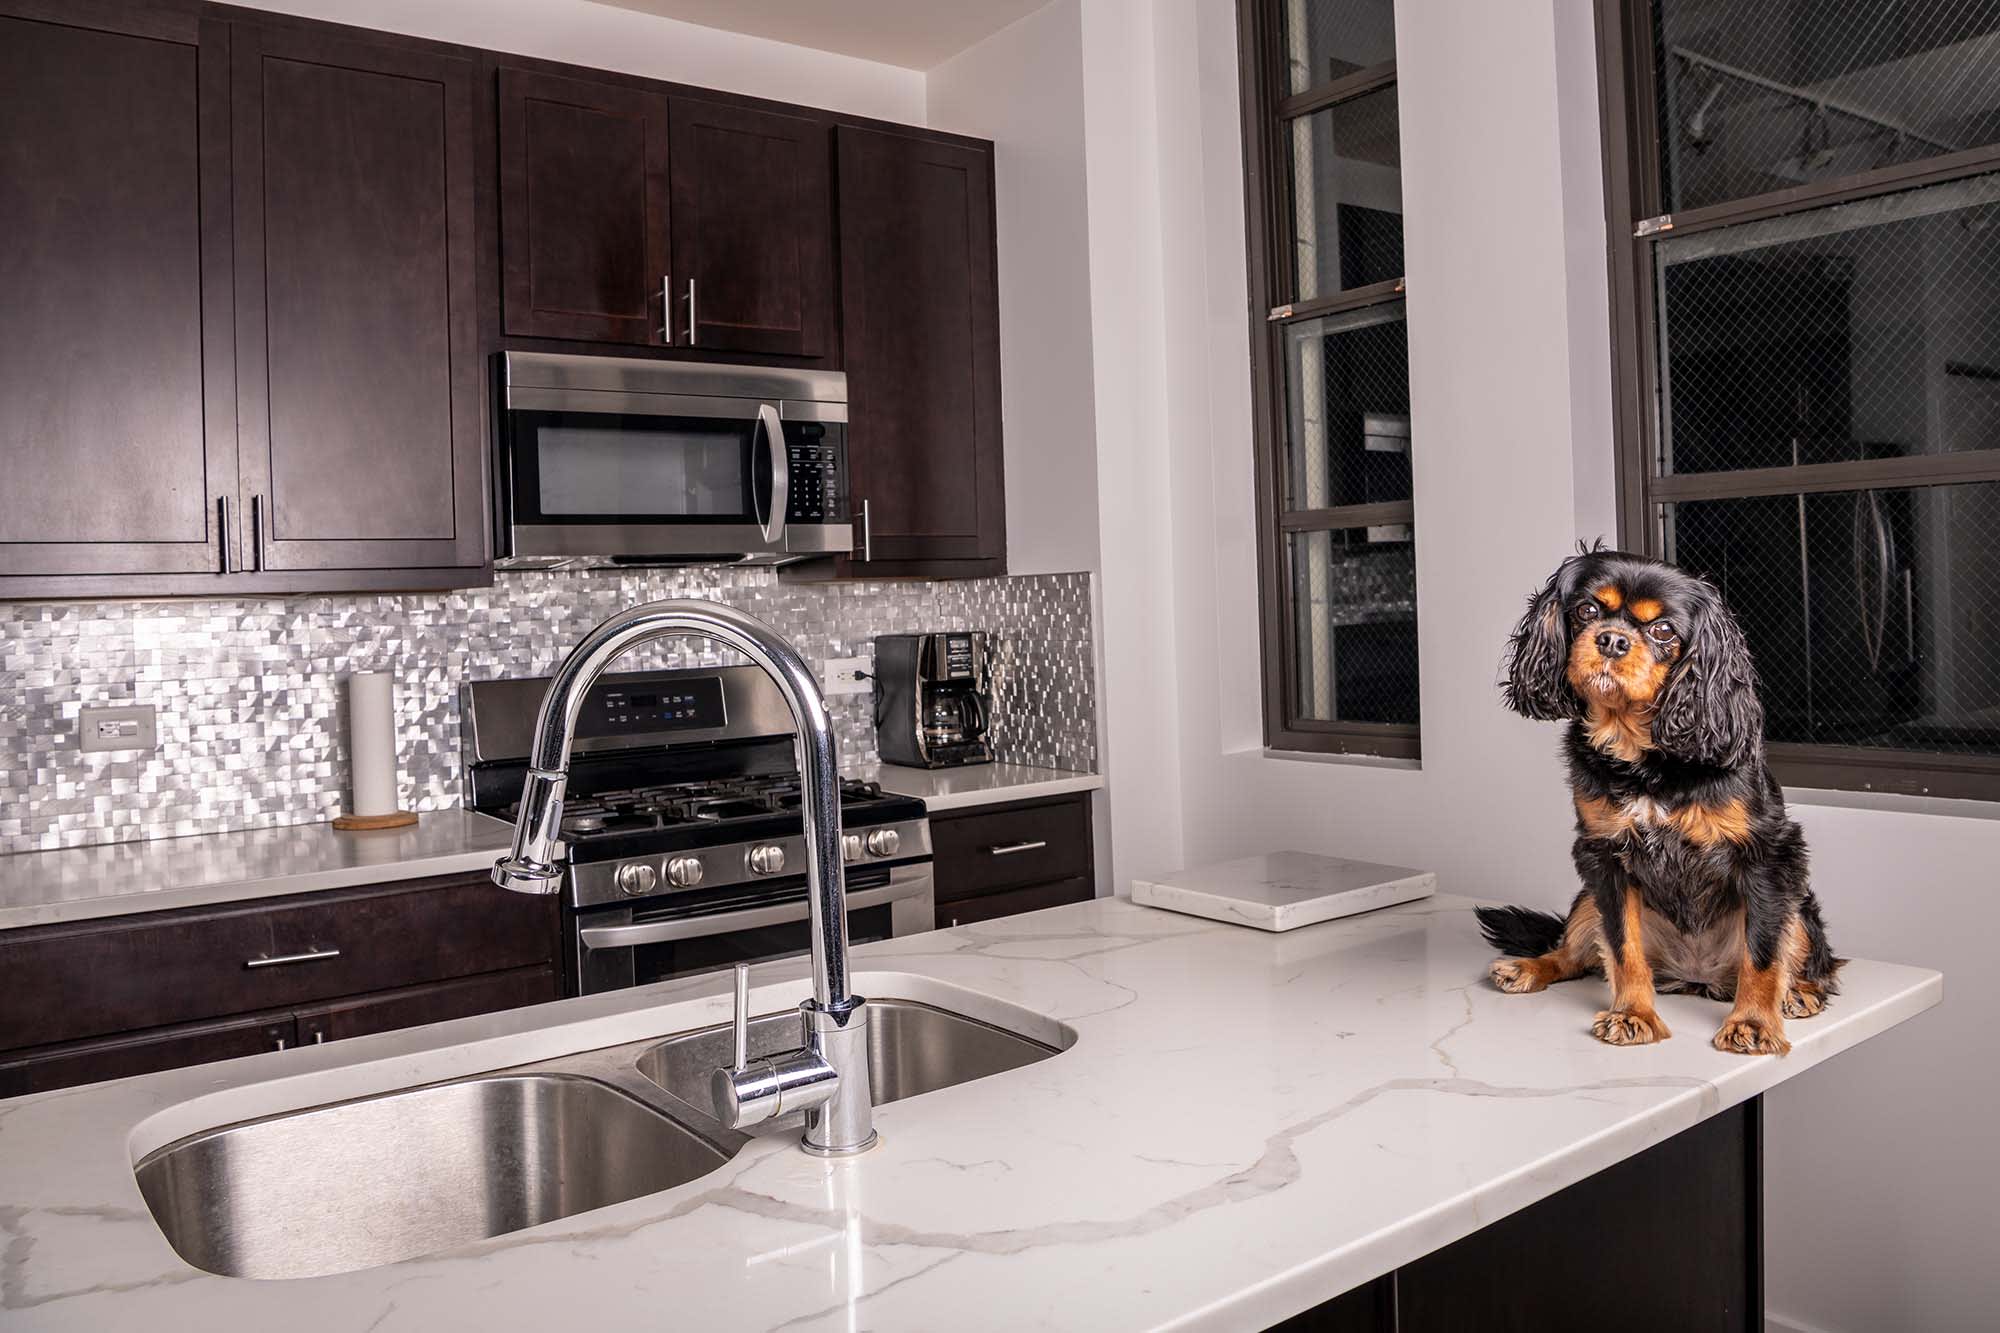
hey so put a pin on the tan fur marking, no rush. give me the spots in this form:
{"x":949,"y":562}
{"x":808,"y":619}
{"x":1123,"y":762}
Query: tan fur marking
{"x":1646,"y":609}
{"x":1622,"y":733}
{"x":1600,"y":818}
{"x":1756,"y":1026}
{"x":1632,"y":1019}
{"x":1609,"y":596}
{"x":1706,"y":825}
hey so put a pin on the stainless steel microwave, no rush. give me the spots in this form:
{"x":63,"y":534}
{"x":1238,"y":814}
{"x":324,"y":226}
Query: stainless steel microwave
{"x":620,"y":461}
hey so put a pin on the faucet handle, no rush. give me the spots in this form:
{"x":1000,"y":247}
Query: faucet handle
{"x":742,"y":1016}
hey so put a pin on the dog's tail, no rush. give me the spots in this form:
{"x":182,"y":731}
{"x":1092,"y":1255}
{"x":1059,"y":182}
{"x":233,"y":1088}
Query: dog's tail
{"x":1520,"y":932}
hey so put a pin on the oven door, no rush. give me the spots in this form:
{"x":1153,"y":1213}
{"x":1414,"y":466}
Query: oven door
{"x":622,"y":946}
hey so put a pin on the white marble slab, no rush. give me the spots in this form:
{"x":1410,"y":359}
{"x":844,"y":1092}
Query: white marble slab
{"x":1246,"y":1125}
{"x":77,"y":883}
{"x":976,"y":784}
{"x":1284,"y":890}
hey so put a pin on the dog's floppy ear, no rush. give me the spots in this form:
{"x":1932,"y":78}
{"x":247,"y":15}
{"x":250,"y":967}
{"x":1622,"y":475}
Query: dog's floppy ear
{"x":1538,"y":652}
{"x":1709,"y":712}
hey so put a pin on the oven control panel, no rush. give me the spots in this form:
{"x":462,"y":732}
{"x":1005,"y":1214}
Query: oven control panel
{"x":687,"y":703}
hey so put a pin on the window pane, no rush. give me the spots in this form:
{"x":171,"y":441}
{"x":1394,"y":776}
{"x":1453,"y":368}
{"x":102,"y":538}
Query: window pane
{"x":1347,"y":196}
{"x":1347,"y":409}
{"x":1873,"y":615}
{"x":1866,"y":330}
{"x":1326,"y":39}
{"x":1764,"y":96}
{"x":1354,"y":624}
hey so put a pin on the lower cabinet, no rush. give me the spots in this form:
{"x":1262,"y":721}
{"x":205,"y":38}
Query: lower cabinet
{"x":158,"y":990}
{"x":1691,"y":1207}
{"x":1002,"y":860}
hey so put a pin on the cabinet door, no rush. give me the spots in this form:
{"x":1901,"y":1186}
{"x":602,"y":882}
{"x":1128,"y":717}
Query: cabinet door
{"x":753,"y":230}
{"x":359,"y":391}
{"x":920,"y":328}
{"x":413,"y":1006}
{"x":71,"y":1063}
{"x":583,"y":209}
{"x":117,"y":423}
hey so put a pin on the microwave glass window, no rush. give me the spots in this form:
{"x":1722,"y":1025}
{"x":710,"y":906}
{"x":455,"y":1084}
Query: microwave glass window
{"x":685,"y":470}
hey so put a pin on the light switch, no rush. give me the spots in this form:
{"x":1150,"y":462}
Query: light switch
{"x":129,"y":728}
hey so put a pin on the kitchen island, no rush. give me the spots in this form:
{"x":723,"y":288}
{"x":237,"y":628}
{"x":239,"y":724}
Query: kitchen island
{"x":1240,"y":1126}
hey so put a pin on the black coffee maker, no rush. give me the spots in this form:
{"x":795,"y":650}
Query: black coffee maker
{"x":933,"y":699}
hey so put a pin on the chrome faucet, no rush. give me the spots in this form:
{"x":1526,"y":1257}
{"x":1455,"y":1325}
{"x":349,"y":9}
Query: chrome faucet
{"x":827,"y":1077}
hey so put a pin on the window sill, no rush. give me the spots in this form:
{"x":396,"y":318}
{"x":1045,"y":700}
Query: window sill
{"x":1351,"y":758}
{"x":1890,"y":802}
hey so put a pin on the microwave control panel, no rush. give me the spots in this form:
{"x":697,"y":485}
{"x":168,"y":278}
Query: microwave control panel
{"x":819,"y":473}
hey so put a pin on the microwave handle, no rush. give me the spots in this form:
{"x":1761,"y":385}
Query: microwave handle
{"x":750,"y":918}
{"x":781,"y":474}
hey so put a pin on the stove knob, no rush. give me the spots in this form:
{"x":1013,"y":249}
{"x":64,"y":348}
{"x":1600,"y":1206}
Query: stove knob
{"x":850,"y":846}
{"x":765,"y":859}
{"x":684,"y":872}
{"x":884,"y":842}
{"x":636,"y":879}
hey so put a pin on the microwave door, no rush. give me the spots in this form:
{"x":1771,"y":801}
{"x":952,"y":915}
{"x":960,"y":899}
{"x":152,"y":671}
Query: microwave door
{"x":770,"y":461}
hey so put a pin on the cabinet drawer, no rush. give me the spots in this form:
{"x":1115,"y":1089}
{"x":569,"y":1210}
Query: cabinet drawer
{"x":1013,"y":902}
{"x":1010,"y":846}
{"x":91,"y":978}
{"x":70,"y":1063}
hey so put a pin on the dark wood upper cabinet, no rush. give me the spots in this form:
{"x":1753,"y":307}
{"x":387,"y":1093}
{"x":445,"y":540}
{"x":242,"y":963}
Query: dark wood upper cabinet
{"x":583,"y":203}
{"x":752,"y":230}
{"x":117,"y":437}
{"x":920,"y":328}
{"x":358,"y":397}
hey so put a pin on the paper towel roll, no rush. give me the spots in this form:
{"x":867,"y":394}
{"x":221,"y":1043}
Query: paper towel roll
{"x":371,"y":742}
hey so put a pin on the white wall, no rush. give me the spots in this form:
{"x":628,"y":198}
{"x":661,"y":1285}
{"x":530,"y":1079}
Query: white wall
{"x":605,"y":37}
{"x":1880,"y":1168}
{"x":1023,"y":88}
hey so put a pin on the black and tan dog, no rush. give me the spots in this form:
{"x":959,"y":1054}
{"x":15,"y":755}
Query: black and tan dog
{"x":1693,"y":877}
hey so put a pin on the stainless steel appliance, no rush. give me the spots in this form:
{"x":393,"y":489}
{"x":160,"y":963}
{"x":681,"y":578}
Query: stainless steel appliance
{"x":934,"y":699}
{"x":620,"y":461}
{"x":684,"y":842}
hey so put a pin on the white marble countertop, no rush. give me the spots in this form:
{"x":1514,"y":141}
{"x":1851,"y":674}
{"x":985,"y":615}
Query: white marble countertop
{"x":1247,"y":1124}
{"x":76,"y":883}
{"x":943,"y":789}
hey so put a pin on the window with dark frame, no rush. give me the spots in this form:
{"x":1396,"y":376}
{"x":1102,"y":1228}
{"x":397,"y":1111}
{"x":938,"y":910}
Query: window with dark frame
{"x":1804,"y":199}
{"x":1336,"y":516}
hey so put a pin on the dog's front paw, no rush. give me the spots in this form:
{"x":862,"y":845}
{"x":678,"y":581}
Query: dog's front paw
{"x":1629,"y":1027}
{"x":1803,"y":1000}
{"x":1752,"y":1034}
{"x":1517,"y":976}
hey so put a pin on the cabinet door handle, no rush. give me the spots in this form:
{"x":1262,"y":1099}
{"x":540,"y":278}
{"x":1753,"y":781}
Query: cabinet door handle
{"x":257,"y":533}
{"x":222,"y":526}
{"x":667,"y":309}
{"x":1015,"y":848}
{"x":692,"y":339}
{"x":319,"y":1036}
{"x":279,"y":960}
{"x":281,"y":1043}
{"x":867,"y":535}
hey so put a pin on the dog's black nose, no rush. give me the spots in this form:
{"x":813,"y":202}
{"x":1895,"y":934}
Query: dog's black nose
{"x":1612,"y":643}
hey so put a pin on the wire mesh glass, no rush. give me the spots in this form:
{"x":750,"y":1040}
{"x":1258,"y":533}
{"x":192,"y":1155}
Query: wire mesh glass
{"x":1328,"y":39}
{"x":1864,"y":330}
{"x":1347,"y":409}
{"x":1762,"y":95}
{"x":1354,"y":624}
{"x":1346,"y":196}
{"x":1873,"y":615}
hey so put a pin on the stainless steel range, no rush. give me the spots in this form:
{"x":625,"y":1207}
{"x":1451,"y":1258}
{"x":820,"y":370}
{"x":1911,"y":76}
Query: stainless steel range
{"x":681,"y":825}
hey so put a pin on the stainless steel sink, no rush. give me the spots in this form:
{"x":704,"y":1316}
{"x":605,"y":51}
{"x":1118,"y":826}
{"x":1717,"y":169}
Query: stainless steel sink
{"x":912,"y":1049}
{"x":369,"y":1182}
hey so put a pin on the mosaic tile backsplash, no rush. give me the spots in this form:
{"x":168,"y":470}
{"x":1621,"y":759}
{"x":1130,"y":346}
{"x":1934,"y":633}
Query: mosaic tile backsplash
{"x":251,"y":704}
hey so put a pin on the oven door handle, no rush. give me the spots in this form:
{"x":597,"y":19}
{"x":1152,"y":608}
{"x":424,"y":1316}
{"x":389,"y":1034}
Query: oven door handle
{"x":773,"y":522}
{"x":722,"y":923}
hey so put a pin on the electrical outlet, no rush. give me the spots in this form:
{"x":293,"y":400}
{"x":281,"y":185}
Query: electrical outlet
{"x":131,"y":728}
{"x":847,"y":675}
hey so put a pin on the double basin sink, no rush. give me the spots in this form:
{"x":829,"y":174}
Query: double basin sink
{"x":357,"y":1184}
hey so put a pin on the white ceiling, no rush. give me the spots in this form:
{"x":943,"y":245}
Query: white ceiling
{"x":916,"y":34}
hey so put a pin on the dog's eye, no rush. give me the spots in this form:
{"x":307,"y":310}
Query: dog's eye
{"x":1661,"y":631}
{"x":1588,"y":611}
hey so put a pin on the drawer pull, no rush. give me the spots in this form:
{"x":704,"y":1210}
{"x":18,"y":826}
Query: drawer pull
{"x":313,"y":956}
{"x":1014,"y":848}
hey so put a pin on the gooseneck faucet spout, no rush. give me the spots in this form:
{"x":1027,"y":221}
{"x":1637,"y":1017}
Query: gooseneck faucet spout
{"x":828,"y":1076}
